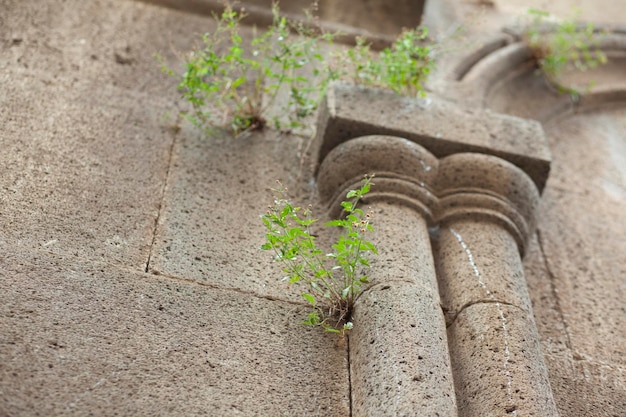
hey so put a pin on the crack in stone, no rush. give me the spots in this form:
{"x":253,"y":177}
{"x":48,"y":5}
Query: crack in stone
{"x":349,"y":376}
{"x":512,"y":409}
{"x":161,"y":201}
{"x":231,"y":289}
{"x":451,"y":315}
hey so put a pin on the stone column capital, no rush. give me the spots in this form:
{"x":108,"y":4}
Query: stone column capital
{"x":405,"y":172}
{"x":480,"y":186}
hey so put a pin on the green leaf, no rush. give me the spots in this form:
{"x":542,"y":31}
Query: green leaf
{"x":238,"y":82}
{"x":334,"y":223}
{"x":367,"y":246}
{"x":313,"y":319}
{"x":286,"y":211}
{"x":295,"y":232}
{"x":331,"y":277}
{"x":309,"y":298}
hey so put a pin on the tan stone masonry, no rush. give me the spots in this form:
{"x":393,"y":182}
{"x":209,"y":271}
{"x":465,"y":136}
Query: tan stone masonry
{"x":485,"y":218}
{"x":399,"y":360}
{"x":447,"y":330}
{"x":132,"y":279}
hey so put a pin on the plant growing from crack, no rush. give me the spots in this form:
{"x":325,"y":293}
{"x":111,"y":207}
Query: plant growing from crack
{"x":402,"y":67}
{"x":234,"y":82}
{"x":333,"y":281}
{"x":558,"y":46}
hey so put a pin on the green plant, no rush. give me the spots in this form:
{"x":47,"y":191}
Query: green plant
{"x":233,"y":82}
{"x":562,"y":46}
{"x":403,"y":67}
{"x":334,"y":280}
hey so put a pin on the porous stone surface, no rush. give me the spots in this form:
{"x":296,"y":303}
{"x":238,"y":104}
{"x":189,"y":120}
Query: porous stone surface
{"x":583,"y":233}
{"x":478,"y":261}
{"x":91,"y":163}
{"x":599,"y":386}
{"x":548,"y":316}
{"x":413,"y":246}
{"x":574,"y":268}
{"x":485,"y":214}
{"x":98,"y":191}
{"x":440,"y":126}
{"x":478,"y":185}
{"x":87,"y":338}
{"x":400,"y":308}
{"x":87,"y":150}
{"x":398,"y":353}
{"x":491,"y":346}
{"x":480,"y":271}
{"x":583,"y":264}
{"x":210,"y":228}
{"x":403,"y":170}
{"x":85,"y":155}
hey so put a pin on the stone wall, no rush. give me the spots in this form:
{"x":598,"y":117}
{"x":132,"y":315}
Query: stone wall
{"x":132,"y":279}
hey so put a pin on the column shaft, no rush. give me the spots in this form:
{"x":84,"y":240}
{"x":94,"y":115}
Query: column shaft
{"x":494,"y":346}
{"x":486,"y":209}
{"x":399,"y":358}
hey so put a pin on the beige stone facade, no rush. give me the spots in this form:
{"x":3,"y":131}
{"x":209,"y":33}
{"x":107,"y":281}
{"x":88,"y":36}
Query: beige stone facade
{"x":132,"y":279}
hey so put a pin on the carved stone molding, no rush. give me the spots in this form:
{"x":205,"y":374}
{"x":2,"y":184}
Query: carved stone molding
{"x":486,"y":214}
{"x":460,"y":310}
{"x":399,"y":362}
{"x":405,"y":172}
{"x":502,"y":76}
{"x":439,"y":125}
{"x":483,"y":186}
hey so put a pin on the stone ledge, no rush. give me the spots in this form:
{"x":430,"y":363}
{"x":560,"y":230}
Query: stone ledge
{"x":442,"y":127}
{"x":380,"y":31}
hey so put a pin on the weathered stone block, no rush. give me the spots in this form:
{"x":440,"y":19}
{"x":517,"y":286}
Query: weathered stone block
{"x":440,"y":126}
{"x":82,"y":338}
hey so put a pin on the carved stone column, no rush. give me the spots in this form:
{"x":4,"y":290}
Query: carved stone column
{"x":399,"y":361}
{"x":486,"y":214}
